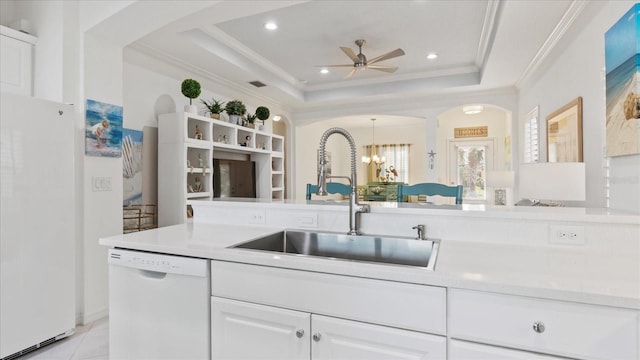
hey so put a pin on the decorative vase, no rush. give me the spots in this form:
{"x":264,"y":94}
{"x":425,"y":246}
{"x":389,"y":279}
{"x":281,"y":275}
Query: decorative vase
{"x":251,"y":125}
{"x":235,"y":119}
{"x":215,"y":116}
{"x":192,"y":109}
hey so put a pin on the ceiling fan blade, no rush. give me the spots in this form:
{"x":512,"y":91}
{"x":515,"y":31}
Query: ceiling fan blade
{"x":387,"y":56}
{"x":350,"y":54}
{"x":388,"y":69}
{"x":345,"y":65}
{"x":350,"y":74}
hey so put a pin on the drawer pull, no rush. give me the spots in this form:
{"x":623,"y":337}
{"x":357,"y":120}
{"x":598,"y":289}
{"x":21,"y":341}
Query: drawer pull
{"x":300,"y":333}
{"x":316,"y":337}
{"x":538,"y":327}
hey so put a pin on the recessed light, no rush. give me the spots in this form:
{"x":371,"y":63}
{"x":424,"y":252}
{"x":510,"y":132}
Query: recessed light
{"x":277,"y":118}
{"x":432,"y":56}
{"x":324,"y":71}
{"x":271,"y":25}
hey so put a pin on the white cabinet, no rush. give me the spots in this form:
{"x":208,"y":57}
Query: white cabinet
{"x":187,"y":145}
{"x":16,"y":61}
{"x":554,"y":327}
{"x":243,"y":330}
{"x":344,"y":339}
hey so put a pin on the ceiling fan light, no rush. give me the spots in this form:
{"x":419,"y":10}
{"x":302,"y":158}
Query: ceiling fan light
{"x":472,"y":109}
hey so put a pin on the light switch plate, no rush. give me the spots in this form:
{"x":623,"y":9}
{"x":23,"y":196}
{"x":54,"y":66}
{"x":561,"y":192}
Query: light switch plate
{"x":566,"y":234}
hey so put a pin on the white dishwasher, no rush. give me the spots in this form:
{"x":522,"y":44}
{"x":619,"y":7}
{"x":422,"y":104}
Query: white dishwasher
{"x":159,"y":306}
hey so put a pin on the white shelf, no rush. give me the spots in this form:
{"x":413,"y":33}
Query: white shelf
{"x":177,"y":143}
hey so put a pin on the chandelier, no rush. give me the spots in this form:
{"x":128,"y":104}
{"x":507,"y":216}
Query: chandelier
{"x":373,"y":155}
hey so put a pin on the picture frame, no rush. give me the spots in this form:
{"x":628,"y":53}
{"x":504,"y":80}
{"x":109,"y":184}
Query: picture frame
{"x":564,"y":133}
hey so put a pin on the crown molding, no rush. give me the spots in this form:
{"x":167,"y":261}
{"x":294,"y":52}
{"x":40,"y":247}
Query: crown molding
{"x":487,"y":34}
{"x":568,"y":19}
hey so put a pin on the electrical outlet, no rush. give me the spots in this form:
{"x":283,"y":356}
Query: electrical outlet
{"x":257,"y":217}
{"x":566,"y":235}
{"x":101,"y":184}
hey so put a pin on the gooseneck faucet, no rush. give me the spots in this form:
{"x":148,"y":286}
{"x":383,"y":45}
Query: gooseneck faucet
{"x":355,"y":208}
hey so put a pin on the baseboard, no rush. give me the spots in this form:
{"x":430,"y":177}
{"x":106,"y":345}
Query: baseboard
{"x":83,"y":319}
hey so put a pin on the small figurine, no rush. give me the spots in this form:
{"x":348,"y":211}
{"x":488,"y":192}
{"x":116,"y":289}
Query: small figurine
{"x":222,"y":139}
{"x":198,"y":133}
{"x":190,"y":188}
{"x":248,"y":140}
{"x":200,"y":161}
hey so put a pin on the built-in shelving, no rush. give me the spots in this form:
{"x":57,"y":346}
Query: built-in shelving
{"x":187,"y":145}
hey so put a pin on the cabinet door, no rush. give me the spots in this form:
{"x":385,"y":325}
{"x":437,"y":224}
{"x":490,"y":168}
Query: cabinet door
{"x":336,"y":339}
{"x":462,"y":350}
{"x":241,"y":330}
{"x":16,"y":70}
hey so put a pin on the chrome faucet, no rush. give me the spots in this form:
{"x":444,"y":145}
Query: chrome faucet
{"x":422,"y":233}
{"x":355,"y":208}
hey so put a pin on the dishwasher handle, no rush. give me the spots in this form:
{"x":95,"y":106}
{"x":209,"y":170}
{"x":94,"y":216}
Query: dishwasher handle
{"x":156,"y":275}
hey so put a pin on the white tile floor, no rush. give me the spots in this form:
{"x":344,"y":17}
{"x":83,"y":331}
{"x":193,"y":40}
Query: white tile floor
{"x":89,"y":342}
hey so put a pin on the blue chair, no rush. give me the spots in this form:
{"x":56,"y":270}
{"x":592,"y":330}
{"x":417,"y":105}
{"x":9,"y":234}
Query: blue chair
{"x":332,"y":188}
{"x":430,"y":189}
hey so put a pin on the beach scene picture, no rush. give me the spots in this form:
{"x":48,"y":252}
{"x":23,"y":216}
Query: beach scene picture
{"x":131,"y":167}
{"x":622,"y":62}
{"x":103,"y":129}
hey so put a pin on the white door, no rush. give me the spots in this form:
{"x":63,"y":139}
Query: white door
{"x":468,"y":163}
{"x":241,"y":330}
{"x":335,"y":339}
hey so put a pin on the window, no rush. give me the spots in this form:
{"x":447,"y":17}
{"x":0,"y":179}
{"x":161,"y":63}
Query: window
{"x":396,"y":158}
{"x":531,"y":154}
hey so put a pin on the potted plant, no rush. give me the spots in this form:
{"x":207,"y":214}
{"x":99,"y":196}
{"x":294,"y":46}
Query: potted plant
{"x":214,"y":107}
{"x":251,"y":119}
{"x":235,"y":109}
{"x":191,"y":89}
{"x":262,"y":113}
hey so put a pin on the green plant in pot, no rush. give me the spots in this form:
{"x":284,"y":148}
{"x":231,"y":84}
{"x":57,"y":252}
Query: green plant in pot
{"x":191,"y":89}
{"x":251,"y":119}
{"x":262,"y":112}
{"x":235,"y":109}
{"x":213,"y":107}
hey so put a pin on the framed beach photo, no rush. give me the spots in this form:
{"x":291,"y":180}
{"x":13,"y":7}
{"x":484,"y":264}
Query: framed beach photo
{"x":564,"y":133}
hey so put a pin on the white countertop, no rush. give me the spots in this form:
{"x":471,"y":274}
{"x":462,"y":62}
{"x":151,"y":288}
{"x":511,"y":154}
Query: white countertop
{"x":560,"y":273}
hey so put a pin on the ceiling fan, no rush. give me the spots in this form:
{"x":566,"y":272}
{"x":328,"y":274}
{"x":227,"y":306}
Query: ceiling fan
{"x":360,"y":61}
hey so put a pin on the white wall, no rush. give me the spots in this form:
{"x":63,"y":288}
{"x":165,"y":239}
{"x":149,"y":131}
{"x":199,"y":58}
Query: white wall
{"x":577,"y":69}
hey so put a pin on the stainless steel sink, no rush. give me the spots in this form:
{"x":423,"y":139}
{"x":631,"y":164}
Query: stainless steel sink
{"x":368,"y":248}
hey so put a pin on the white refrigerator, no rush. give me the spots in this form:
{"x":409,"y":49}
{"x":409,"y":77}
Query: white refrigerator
{"x":37,"y":247}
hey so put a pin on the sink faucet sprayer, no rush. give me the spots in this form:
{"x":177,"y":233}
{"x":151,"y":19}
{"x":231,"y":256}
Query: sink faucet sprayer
{"x":355,"y":208}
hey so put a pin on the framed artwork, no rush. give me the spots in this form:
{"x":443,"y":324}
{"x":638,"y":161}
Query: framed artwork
{"x":132,"y":167}
{"x":564,"y":133}
{"x":103,"y":129}
{"x":622,"y":64}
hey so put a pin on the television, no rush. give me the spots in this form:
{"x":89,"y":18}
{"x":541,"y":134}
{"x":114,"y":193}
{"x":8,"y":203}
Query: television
{"x":234,"y":178}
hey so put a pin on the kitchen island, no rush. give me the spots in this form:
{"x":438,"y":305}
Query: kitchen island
{"x":503,"y":285}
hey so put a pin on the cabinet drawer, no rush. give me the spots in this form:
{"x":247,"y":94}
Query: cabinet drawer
{"x":570,"y":329}
{"x":462,"y":350}
{"x":407,"y":306}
